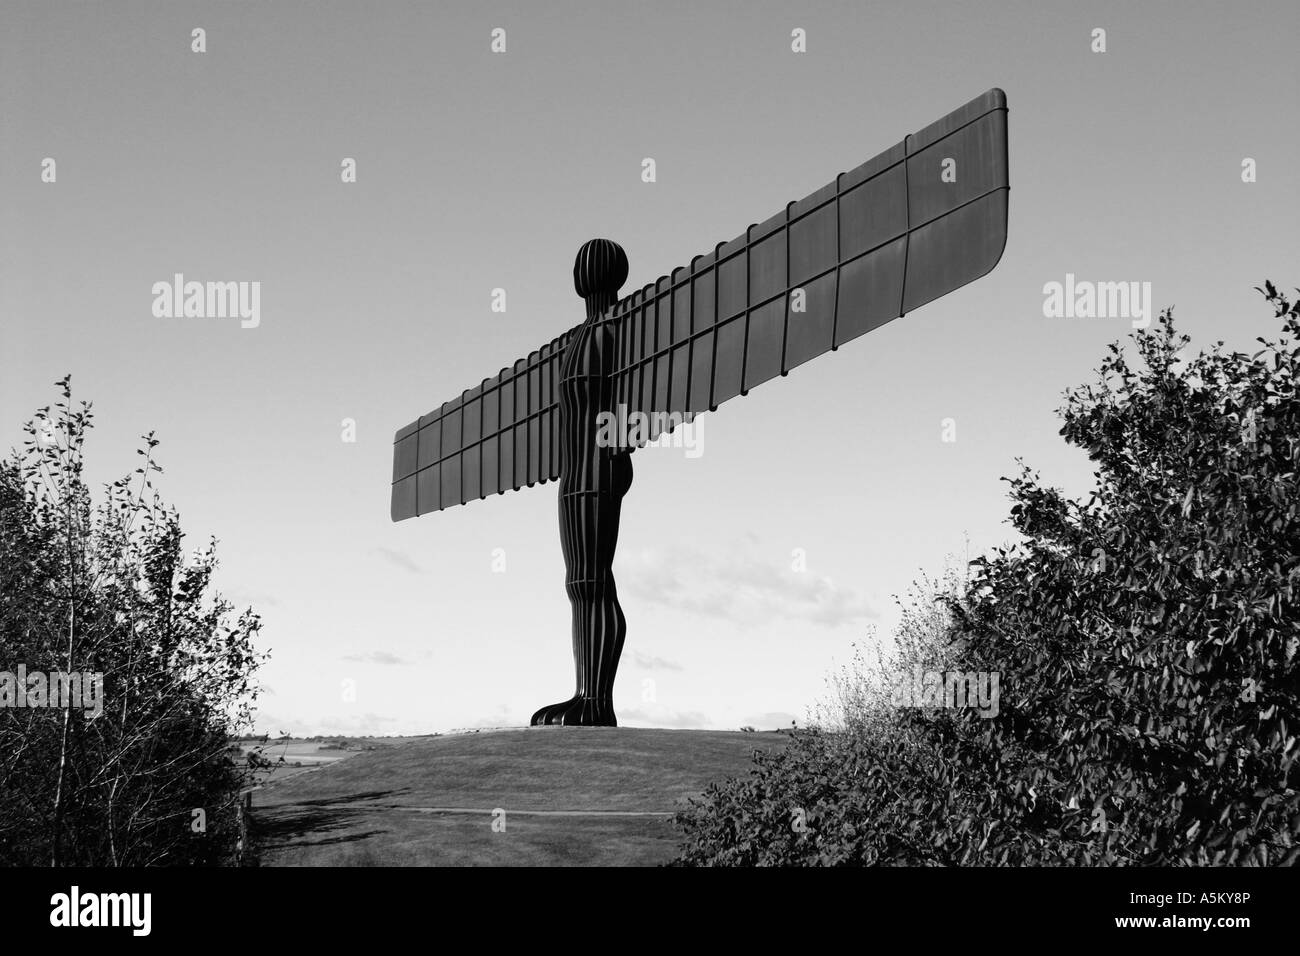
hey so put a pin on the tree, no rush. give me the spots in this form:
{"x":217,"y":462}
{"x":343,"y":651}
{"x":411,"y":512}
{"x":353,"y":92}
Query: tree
{"x":100,"y":599}
{"x":1146,"y":641}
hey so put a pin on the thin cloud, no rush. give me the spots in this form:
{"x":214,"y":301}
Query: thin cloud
{"x":402,"y":561}
{"x":651,"y":663}
{"x":678,"y":719}
{"x":360,"y":726}
{"x":375,"y":657}
{"x":243,"y":599}
{"x":741,"y":587}
{"x":503,"y":717}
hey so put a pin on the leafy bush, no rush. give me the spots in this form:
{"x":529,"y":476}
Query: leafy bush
{"x":106,"y":589}
{"x":1146,"y":639}
{"x":862,"y":691}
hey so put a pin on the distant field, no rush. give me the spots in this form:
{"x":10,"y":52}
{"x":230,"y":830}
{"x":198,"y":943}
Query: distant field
{"x":571,"y":795}
{"x":293,"y":756}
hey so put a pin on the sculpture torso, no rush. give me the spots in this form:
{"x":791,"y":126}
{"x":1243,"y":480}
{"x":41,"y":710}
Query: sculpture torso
{"x":586,"y":389}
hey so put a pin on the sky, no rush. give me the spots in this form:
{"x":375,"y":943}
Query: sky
{"x":747,"y":572}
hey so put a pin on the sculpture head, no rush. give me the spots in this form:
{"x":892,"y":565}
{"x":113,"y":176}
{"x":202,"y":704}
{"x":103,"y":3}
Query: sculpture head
{"x":600,"y":270}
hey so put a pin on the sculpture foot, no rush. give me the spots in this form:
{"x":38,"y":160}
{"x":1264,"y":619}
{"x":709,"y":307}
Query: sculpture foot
{"x":578,"y":712}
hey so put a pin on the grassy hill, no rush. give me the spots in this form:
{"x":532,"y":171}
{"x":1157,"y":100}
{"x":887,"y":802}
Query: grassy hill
{"x":570,"y":796}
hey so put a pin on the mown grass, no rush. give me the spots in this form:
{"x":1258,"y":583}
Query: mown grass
{"x":373,"y":809}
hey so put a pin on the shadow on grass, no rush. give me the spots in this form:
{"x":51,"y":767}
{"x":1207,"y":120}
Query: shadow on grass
{"x":309,"y":822}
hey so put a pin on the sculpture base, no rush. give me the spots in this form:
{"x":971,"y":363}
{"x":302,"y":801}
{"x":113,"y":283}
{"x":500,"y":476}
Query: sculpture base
{"x":577,"y":712}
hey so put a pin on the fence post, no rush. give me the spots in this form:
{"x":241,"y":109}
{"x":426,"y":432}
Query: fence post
{"x":243,"y":809}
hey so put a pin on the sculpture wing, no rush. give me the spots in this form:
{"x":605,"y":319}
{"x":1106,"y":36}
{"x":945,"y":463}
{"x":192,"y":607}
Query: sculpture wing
{"x":498,"y":436}
{"x":921,"y":219}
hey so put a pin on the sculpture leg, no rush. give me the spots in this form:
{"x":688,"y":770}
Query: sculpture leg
{"x":588,"y":535}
